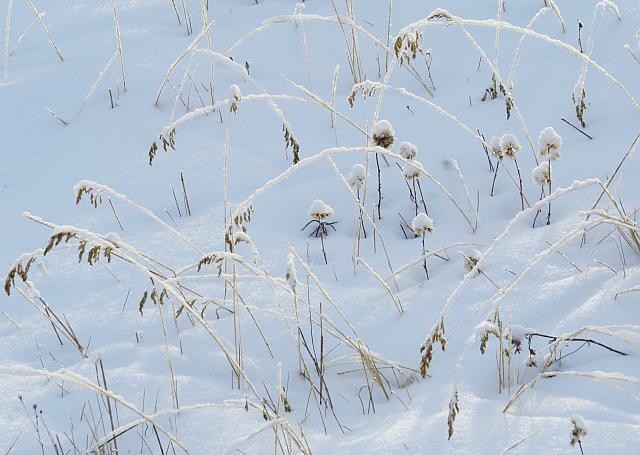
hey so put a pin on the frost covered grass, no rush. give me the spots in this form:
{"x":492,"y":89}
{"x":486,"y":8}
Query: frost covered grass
{"x":288,"y":337}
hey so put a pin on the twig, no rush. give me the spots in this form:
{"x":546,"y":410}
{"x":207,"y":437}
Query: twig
{"x":575,"y":127}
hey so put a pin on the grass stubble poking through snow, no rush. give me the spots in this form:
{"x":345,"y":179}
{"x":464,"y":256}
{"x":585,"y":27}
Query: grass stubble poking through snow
{"x":328,"y":364}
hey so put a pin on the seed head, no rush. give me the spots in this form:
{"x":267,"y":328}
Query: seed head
{"x":422,"y":224}
{"x":408,"y":151}
{"x":320,"y":211}
{"x":509,"y":145}
{"x":383,"y":134}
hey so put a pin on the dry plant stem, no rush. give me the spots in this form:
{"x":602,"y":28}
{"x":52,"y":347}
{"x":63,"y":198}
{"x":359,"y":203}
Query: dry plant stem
{"x":508,"y":93}
{"x":46,"y":30}
{"x":597,"y":375}
{"x":371,"y":220}
{"x":451,"y":299}
{"x":630,"y":152}
{"x":576,"y":128}
{"x":175,"y":9}
{"x":100,"y":77}
{"x":516,"y":57}
{"x":489,"y":23}
{"x":196,"y":113}
{"x":74,"y":378}
{"x":119,"y":43}
{"x":550,"y":183}
{"x":187,"y":206}
{"x":280,"y":20}
{"x":113,"y":209}
{"x":105,"y":189}
{"x":172,"y":291}
{"x":389,"y":14}
{"x":22,"y":36}
{"x":373,"y":273}
{"x":7,"y":38}
{"x":424,"y":252}
{"x":520,"y":183}
{"x":495,"y":174}
{"x":187,"y":51}
{"x":334,"y":87}
{"x":244,"y":205}
{"x":446,"y":114}
{"x":520,"y":442}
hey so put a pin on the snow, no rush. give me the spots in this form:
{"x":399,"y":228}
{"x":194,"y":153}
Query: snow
{"x":246,"y":290}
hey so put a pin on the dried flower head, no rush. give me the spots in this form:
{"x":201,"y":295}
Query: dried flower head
{"x":367,"y":88}
{"x":236,"y":96}
{"x":407,"y":44}
{"x":509,"y":145}
{"x":495,"y":148}
{"x":471,"y":259}
{"x":482,"y":331}
{"x":422,"y":224}
{"x":550,"y":143}
{"x":291,"y":275}
{"x":383,"y":134}
{"x":454,"y":410}
{"x":320,"y":211}
{"x":357,"y":177}
{"x":580,"y":430}
{"x":409,"y":171}
{"x":542,"y":174}
{"x":408,"y":151}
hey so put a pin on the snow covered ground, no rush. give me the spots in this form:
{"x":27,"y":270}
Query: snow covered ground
{"x":364,"y":314}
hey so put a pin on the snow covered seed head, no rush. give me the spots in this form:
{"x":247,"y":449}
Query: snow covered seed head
{"x":495,"y":148}
{"x":235,"y":97}
{"x":471,"y":258}
{"x":550,"y":143}
{"x":509,"y":145}
{"x":482,"y":331}
{"x":320,"y":211}
{"x":357,"y":177}
{"x":409,"y":171}
{"x":291,"y":276}
{"x":422,"y":224}
{"x":579,"y":431}
{"x":408,"y":151}
{"x":541,"y":174}
{"x":383,"y":134}
{"x":241,"y":237}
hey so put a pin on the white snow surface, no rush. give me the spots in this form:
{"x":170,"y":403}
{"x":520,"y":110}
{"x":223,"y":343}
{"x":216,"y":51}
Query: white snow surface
{"x":276,"y":278}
